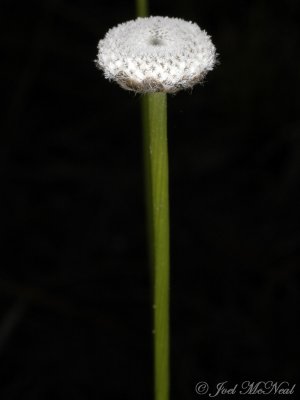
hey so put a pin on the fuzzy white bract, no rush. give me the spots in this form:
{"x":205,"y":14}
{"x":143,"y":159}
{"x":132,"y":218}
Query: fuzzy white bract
{"x":156,"y":54}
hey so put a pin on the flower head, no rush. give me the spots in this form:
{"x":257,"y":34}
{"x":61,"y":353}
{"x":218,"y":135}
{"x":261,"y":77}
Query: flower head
{"x":156,"y":54}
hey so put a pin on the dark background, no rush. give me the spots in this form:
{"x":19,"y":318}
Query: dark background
{"x":75,"y":313}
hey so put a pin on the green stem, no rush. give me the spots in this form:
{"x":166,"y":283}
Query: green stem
{"x":156,"y":168}
{"x":148,"y":184}
{"x":141,"y":8}
{"x":154,"y":113}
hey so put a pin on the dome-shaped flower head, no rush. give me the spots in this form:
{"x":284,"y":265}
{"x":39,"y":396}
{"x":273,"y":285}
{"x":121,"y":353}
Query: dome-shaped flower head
{"x":156,"y":54}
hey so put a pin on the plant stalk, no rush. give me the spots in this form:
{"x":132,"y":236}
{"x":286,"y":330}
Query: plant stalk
{"x":154,"y":116}
{"x":141,"y":8}
{"x":157,"y":198}
{"x":157,"y":190}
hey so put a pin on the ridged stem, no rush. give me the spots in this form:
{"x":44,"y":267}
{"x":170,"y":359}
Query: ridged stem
{"x":154,"y":115}
{"x":156,"y":156}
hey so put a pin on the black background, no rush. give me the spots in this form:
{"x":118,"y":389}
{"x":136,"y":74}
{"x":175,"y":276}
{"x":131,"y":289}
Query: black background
{"x":74,"y":285}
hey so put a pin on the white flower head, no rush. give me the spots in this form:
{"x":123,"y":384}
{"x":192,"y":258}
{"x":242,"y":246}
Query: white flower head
{"x":156,"y":54}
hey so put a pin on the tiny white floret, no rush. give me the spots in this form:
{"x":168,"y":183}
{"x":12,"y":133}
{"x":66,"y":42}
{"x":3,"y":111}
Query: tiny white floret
{"x":156,"y":54}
